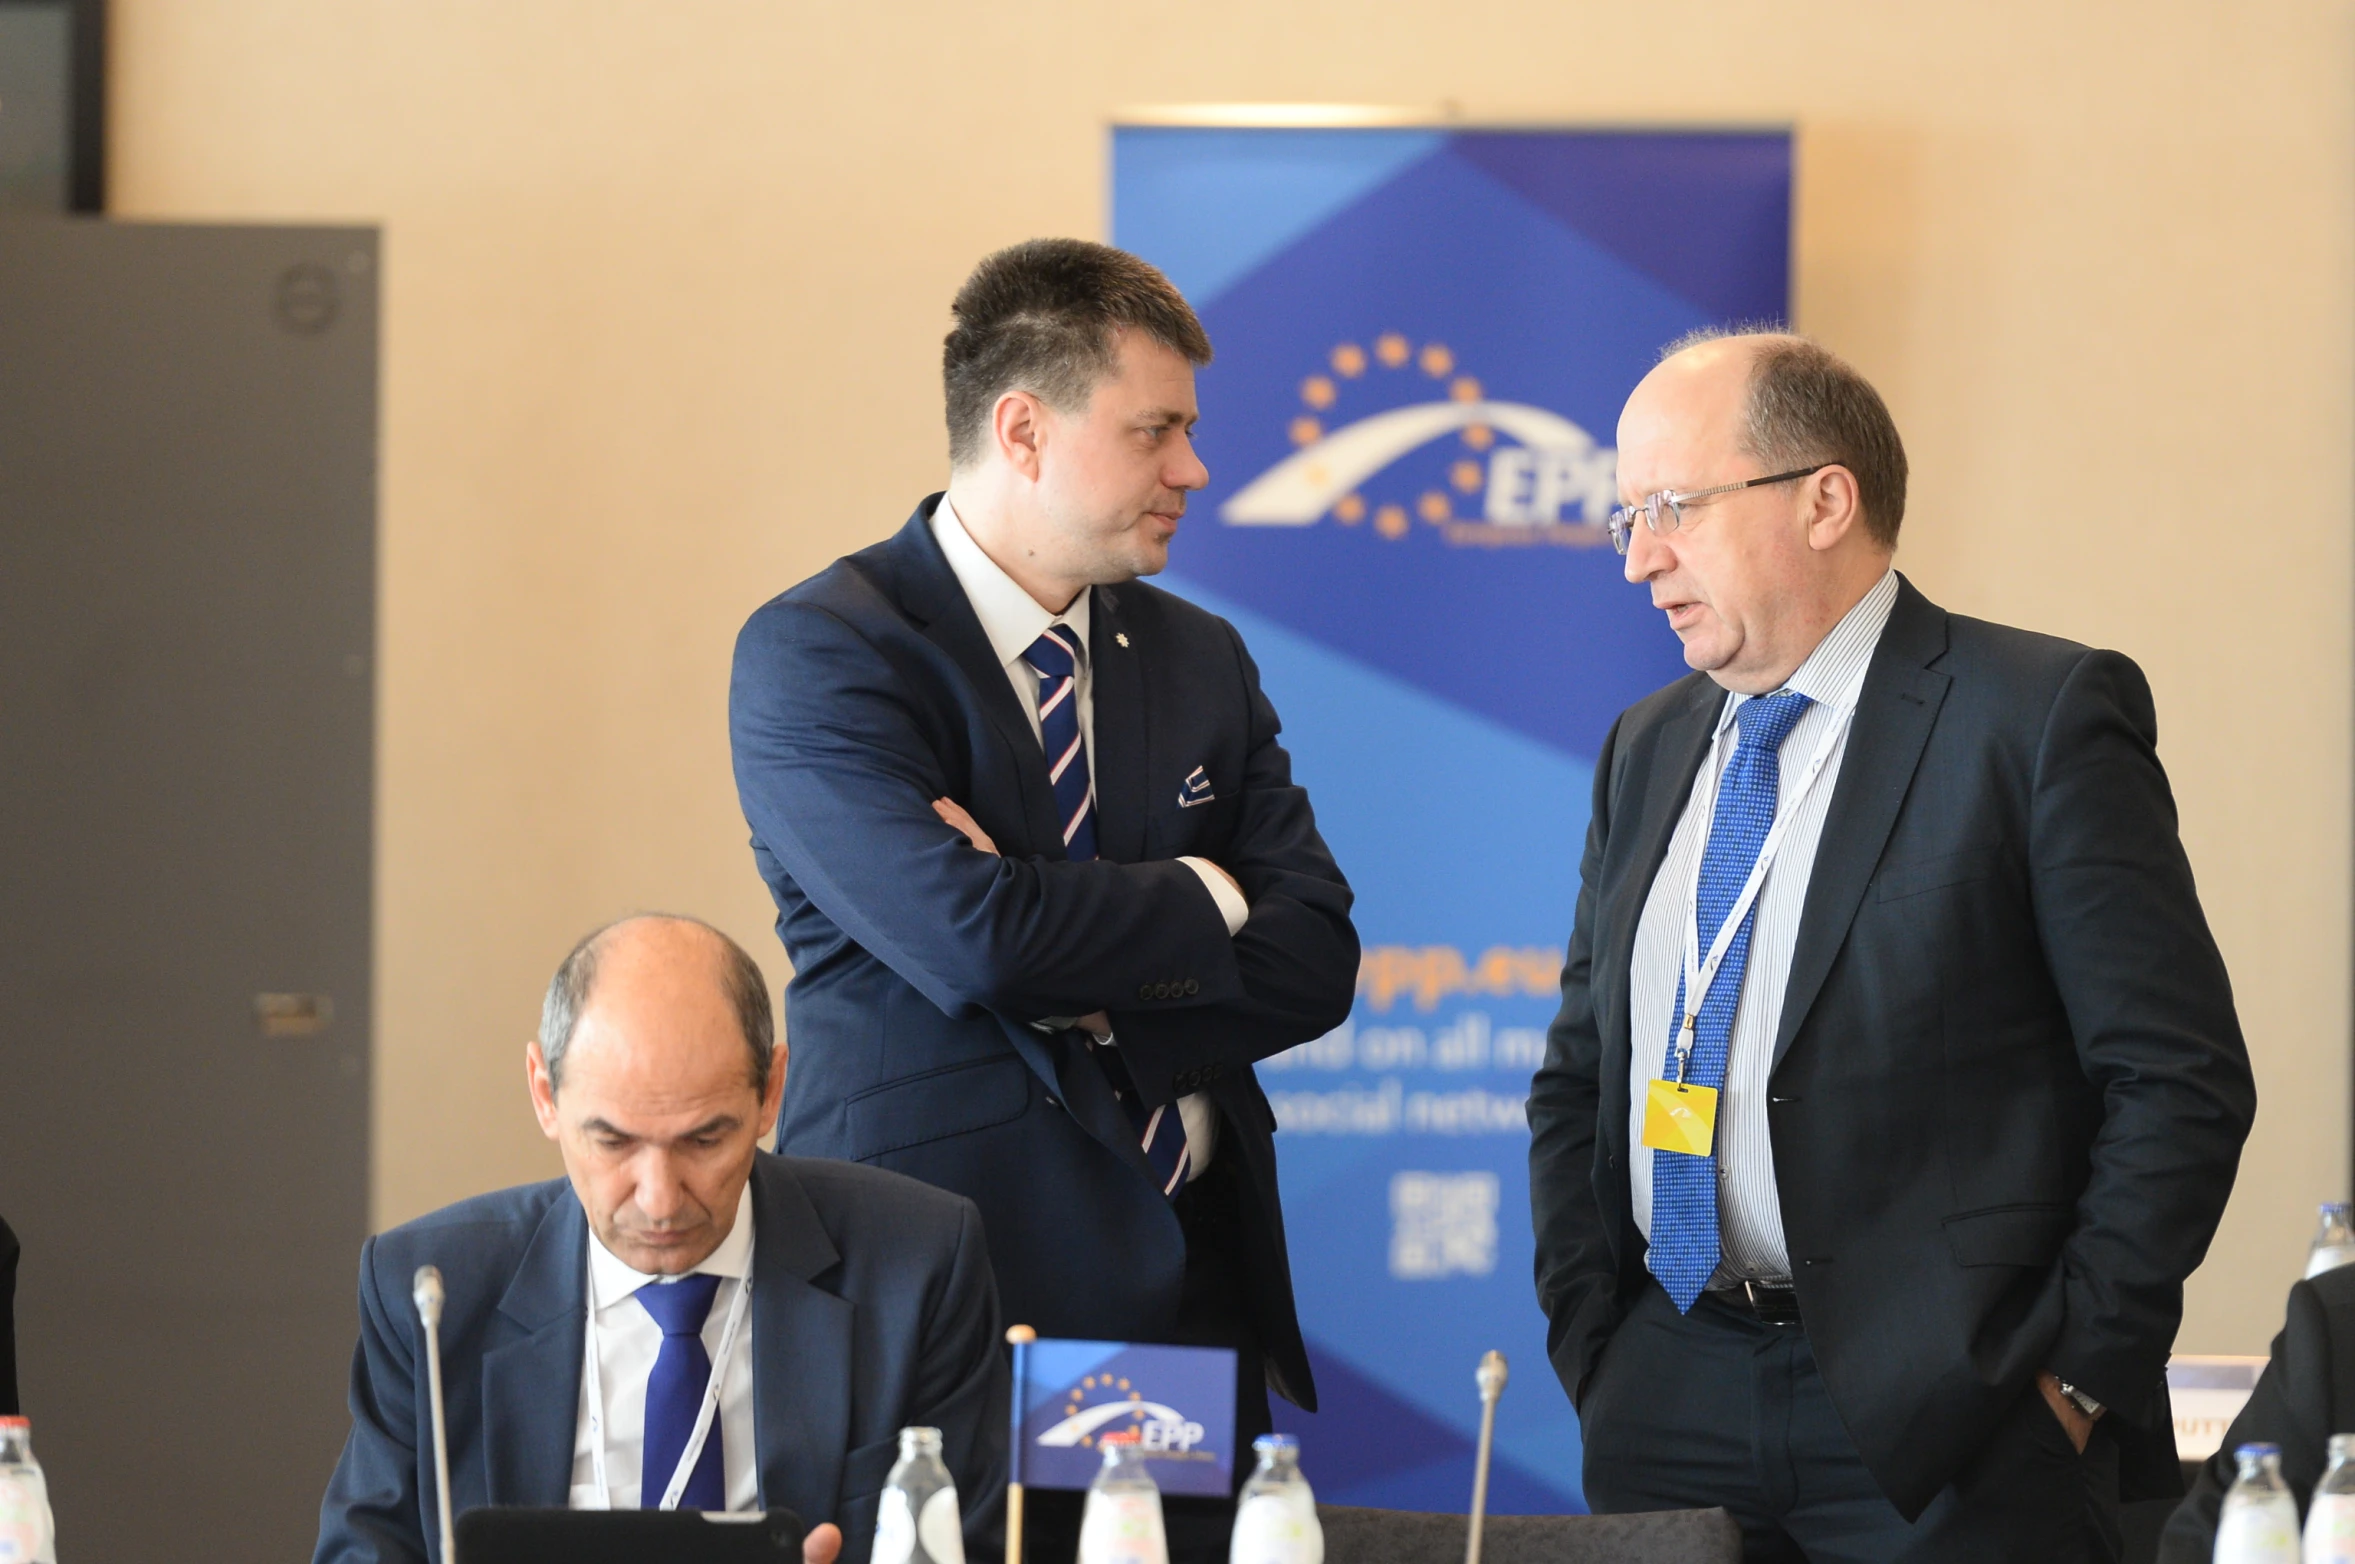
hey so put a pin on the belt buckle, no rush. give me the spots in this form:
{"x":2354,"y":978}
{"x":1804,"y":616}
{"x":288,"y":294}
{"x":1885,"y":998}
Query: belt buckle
{"x":1772,"y":1305}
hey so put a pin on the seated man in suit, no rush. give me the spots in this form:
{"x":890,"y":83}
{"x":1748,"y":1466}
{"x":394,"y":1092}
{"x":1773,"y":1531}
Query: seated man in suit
{"x":2305,"y":1395}
{"x":586,"y":1317}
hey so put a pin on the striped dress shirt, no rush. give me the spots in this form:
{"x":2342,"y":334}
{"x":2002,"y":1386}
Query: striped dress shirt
{"x":1749,"y":1208}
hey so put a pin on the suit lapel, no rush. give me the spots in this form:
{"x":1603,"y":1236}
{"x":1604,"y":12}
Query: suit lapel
{"x":1122,"y":725}
{"x":801,"y":1348}
{"x":531,"y":1389}
{"x":932,"y":595}
{"x":1659,"y":784}
{"x":1894,"y":716}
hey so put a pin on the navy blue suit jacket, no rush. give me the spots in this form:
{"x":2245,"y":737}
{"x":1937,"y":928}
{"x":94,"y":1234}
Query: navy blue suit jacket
{"x":872,"y":1310}
{"x":870,"y":690}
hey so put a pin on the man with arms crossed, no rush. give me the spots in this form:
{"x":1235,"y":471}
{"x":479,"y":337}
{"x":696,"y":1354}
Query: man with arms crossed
{"x":585,"y":1316}
{"x":1896,"y":1086}
{"x":1047,"y":883}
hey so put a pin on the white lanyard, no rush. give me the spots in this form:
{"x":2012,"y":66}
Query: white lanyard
{"x":1701,"y":971}
{"x":703,"y":1419}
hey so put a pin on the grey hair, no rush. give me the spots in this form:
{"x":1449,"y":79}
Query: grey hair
{"x":575,"y":981}
{"x":1807,"y":405}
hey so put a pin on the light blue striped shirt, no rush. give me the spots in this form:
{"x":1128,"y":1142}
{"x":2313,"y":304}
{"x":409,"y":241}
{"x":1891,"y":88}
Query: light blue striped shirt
{"x":1749,"y":1207}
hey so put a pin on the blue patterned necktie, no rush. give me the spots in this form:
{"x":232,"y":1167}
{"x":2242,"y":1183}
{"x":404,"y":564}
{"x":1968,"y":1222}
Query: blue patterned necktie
{"x":1685,"y":1249}
{"x":674,"y":1395}
{"x":1054,"y":657}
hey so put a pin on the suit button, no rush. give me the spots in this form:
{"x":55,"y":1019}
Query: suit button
{"x":1161,"y":991}
{"x":1145,"y":992}
{"x":1193,"y":986}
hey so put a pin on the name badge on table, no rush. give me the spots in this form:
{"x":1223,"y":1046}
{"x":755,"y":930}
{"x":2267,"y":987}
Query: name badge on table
{"x":1680,"y":1117}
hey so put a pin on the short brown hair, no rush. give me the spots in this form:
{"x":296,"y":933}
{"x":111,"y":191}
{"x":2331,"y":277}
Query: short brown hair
{"x":1809,"y":405}
{"x":1041,"y":317}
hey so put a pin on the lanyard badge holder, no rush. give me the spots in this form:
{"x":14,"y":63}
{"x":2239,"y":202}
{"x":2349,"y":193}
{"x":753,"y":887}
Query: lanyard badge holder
{"x":704,"y":1417}
{"x":1679,"y":1115}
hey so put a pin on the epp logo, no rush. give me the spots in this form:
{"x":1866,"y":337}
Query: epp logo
{"x":1553,"y":484}
{"x":1104,"y":1410}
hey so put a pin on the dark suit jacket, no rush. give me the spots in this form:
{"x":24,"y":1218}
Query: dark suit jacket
{"x":2305,"y":1395}
{"x":868,"y":691}
{"x":871,"y":1310}
{"x":2009,"y":1089}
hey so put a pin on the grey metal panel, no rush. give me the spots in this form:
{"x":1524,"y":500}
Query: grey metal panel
{"x":187,"y":654}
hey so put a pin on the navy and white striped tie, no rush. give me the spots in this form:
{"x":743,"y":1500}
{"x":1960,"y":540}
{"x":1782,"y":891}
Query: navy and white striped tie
{"x":1054,"y":657}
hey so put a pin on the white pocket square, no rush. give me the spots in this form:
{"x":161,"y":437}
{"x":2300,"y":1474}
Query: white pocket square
{"x":1195,"y":789}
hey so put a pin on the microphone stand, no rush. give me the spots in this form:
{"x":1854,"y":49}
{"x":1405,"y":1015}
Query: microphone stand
{"x":427,"y":1293}
{"x":1491,"y":1379}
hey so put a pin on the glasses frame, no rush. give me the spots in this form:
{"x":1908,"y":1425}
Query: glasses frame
{"x":1652,"y":505}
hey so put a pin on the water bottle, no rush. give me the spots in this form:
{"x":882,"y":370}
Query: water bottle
{"x":1122,"y":1523}
{"x":1276,"y":1519}
{"x":2330,"y":1520}
{"x":28,"y":1532}
{"x":2260,"y":1520}
{"x":917,"y":1521}
{"x":2334,"y":1239}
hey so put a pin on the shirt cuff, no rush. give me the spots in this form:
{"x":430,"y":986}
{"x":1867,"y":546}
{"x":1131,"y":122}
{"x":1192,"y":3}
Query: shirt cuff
{"x":1231,"y":905}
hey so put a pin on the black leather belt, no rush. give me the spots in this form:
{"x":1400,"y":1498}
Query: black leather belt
{"x":1773,"y":1303}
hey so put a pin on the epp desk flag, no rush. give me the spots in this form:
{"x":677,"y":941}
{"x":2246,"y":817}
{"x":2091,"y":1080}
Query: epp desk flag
{"x":1072,"y":1398}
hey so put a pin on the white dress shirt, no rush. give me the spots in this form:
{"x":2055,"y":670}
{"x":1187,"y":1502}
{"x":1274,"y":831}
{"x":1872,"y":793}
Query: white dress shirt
{"x":1749,"y":1207}
{"x":627,"y":1341}
{"x":1013,"y":619}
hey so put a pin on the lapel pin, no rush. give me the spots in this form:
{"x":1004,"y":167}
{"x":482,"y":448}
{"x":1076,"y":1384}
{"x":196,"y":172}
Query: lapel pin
{"x":1120,"y":638}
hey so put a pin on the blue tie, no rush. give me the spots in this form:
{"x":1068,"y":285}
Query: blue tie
{"x":1054,"y":657}
{"x":674,"y":1395}
{"x":1685,"y":1250}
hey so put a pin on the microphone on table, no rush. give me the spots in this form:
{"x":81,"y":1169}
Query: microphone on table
{"x":1491,"y":1379}
{"x":426,"y":1290}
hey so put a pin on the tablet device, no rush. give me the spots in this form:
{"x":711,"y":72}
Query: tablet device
{"x":501,"y":1535}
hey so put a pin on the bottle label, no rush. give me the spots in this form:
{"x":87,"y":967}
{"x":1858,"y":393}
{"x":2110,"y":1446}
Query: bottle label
{"x":2257,"y":1534}
{"x":895,"y":1529}
{"x":2330,"y":1529}
{"x":24,"y":1529}
{"x":1277,"y":1528}
{"x":941,"y":1528}
{"x":1122,"y":1528}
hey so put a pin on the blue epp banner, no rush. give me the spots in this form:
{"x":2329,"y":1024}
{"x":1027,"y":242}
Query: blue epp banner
{"x":1073,"y":1398}
{"x":1424,"y":338}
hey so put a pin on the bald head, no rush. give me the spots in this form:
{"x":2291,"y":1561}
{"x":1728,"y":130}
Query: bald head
{"x":654,"y":1075}
{"x":1753,"y":578}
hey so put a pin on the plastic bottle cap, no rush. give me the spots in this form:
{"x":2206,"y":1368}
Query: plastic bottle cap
{"x":2244,"y":1452}
{"x":16,"y":1422}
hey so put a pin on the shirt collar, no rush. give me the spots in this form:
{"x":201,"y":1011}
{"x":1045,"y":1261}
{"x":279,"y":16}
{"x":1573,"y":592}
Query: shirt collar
{"x":1833,"y":674}
{"x":611,"y":1281}
{"x":1009,"y":616}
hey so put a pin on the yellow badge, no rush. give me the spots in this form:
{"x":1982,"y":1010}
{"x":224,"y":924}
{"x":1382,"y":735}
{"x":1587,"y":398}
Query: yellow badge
{"x":1680,"y":1118}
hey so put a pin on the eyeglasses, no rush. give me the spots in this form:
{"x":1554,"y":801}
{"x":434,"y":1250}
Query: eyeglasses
{"x":1664,"y":512}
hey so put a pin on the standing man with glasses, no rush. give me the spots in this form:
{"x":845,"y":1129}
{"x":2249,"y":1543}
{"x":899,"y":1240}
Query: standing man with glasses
{"x":1897,"y":1085}
{"x":1048,"y":885}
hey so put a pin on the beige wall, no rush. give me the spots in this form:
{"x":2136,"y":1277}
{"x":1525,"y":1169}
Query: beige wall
{"x":666,"y":279}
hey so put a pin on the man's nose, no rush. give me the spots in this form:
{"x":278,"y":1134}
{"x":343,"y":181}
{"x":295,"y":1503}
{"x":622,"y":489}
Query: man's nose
{"x":661,"y":1195}
{"x":1648,"y":554}
{"x":1187,"y":472}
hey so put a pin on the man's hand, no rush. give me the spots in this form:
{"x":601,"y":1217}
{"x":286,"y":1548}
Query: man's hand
{"x":954,"y":813}
{"x":822,"y":1544}
{"x":2072,"y":1415}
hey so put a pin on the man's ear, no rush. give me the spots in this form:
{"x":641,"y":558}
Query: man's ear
{"x":1832,"y":507}
{"x":774,"y":1098}
{"x":1018,"y":425}
{"x":543,"y":1088}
